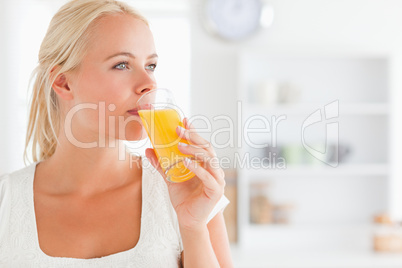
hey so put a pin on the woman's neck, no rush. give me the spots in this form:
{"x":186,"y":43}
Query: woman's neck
{"x":88,"y":171}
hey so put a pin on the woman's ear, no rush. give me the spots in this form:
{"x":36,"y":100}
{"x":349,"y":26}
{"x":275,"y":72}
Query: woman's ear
{"x":60,"y":86}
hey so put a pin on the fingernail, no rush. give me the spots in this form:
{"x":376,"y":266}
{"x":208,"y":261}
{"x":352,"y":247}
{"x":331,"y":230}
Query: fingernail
{"x":183,"y":144}
{"x":182,"y":129}
{"x":187,"y":161}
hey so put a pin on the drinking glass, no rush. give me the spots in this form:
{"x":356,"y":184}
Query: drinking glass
{"x":160,"y":117}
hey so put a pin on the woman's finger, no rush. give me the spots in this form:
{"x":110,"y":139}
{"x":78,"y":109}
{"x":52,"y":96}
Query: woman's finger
{"x":211,"y":162}
{"x":210,"y":184}
{"x":193,"y":137}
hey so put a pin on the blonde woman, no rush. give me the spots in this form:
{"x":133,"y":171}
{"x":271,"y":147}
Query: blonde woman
{"x":83,"y":203}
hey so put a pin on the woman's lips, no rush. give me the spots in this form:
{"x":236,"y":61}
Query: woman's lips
{"x":133,"y":112}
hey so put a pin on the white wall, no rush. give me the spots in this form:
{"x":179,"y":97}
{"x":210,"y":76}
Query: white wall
{"x":2,"y":82}
{"x":10,"y":138}
{"x":22,"y":28}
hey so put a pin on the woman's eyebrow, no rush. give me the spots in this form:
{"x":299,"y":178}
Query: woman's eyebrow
{"x":153,"y":56}
{"x":128,"y":54}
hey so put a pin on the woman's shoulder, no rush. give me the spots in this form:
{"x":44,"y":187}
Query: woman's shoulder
{"x":11,"y":183}
{"x":15,"y":177}
{"x":4,"y":182}
{"x":22,"y":173}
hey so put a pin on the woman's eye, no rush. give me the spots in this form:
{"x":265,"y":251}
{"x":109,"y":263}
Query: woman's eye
{"x":121,"y":66}
{"x":151,"y":67}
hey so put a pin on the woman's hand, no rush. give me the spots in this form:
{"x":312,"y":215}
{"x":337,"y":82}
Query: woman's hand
{"x":194,"y":199}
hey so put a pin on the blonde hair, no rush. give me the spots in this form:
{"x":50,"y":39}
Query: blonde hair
{"x":61,"y":51}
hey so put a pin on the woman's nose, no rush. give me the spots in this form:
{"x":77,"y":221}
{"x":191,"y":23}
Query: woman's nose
{"x":146,"y":83}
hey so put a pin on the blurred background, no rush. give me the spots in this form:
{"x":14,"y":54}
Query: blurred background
{"x":302,"y":101}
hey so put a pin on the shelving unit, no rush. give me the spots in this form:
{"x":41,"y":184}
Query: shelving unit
{"x":334,"y":205}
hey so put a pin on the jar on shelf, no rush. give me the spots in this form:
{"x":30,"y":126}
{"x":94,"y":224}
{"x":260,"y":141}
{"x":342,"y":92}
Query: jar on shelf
{"x":387,"y":234}
{"x":282,"y":213}
{"x":261,"y":208}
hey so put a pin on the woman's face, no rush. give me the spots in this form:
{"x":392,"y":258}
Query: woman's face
{"x":116,"y":71}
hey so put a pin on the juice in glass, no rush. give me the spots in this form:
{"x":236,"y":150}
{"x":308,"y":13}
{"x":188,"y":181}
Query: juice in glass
{"x":160,"y":125}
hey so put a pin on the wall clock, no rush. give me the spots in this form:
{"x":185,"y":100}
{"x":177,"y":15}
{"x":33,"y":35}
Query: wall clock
{"x":232,"y":19}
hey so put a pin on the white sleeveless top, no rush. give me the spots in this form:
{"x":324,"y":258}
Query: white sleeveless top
{"x":159,"y":244}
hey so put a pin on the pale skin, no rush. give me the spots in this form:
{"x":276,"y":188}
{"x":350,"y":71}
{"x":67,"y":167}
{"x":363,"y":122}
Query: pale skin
{"x":87,"y":203}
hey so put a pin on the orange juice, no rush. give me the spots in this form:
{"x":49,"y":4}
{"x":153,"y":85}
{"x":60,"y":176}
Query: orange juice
{"x":161,"y":128}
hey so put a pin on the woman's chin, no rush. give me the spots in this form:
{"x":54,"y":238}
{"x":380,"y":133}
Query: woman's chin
{"x":136,"y":135}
